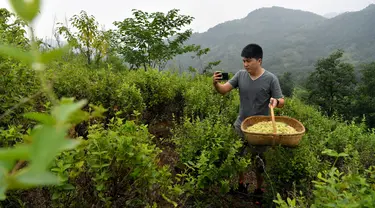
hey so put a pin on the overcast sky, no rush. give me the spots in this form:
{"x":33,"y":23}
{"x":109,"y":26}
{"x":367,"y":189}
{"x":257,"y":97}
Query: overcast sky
{"x":207,"y":13}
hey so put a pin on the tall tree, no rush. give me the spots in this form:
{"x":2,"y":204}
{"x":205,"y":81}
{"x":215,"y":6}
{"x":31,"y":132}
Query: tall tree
{"x":152,"y":39}
{"x":365,"y":102}
{"x":331,"y":85}
{"x":287,"y":84}
{"x":88,"y":39}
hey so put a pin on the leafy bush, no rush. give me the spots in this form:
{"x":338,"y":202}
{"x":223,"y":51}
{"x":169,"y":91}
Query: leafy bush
{"x":202,"y":100}
{"x":11,"y":136}
{"x":118,"y":163}
{"x":20,"y":92}
{"x":334,"y":188}
{"x":157,"y":88}
{"x":301,"y":165}
{"x":100,"y":87}
{"x":208,"y":152}
{"x":115,"y":167}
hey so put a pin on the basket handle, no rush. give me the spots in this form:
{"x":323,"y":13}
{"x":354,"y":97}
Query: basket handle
{"x":273,"y":120}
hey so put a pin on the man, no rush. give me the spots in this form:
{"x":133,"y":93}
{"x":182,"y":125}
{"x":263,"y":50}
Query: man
{"x":259,"y":89}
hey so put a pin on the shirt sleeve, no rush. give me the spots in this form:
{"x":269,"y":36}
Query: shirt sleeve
{"x":234,"y":80}
{"x":276,"y":89}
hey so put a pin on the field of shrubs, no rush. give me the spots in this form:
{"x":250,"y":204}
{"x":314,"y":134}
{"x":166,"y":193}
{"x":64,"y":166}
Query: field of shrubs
{"x":166,"y":140}
{"x":74,"y":134}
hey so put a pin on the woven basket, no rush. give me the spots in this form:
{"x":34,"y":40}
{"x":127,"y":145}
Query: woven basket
{"x":290,"y":140}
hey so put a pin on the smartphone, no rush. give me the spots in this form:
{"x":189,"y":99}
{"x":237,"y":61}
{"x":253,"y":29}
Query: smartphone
{"x":224,"y":76}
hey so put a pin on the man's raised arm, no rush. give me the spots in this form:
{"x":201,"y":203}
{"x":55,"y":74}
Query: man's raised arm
{"x":221,"y":88}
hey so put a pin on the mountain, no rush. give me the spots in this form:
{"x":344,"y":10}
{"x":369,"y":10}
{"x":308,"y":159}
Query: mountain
{"x":292,"y":40}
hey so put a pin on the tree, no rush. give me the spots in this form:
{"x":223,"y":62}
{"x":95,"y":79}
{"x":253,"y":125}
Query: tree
{"x":89,"y":40}
{"x":152,"y":39}
{"x":331,"y":85}
{"x":287,"y":84}
{"x":366,"y":95}
{"x":12,"y":31}
{"x":201,"y":52}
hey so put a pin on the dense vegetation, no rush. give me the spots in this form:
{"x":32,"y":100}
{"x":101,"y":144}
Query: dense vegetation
{"x":144,"y":137}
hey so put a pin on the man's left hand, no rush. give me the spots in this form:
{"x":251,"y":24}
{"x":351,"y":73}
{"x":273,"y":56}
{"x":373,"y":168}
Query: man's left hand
{"x":273,"y":102}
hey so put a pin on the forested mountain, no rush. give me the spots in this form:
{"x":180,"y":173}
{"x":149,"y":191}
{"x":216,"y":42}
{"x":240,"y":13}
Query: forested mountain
{"x":292,"y":40}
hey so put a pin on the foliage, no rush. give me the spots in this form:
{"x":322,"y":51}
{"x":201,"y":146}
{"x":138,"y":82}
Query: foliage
{"x":331,"y":84}
{"x":49,"y":137}
{"x":209,"y":151}
{"x":364,"y":102}
{"x":118,"y":161}
{"x":12,"y":32}
{"x":200,"y":52}
{"x":100,"y":87}
{"x":157,"y":89}
{"x":27,"y":10}
{"x":151,"y":39}
{"x":301,"y":165}
{"x":334,"y":188}
{"x":287,"y":84}
{"x":43,"y":143}
{"x":88,"y":39}
{"x":19,"y":93}
{"x":201,"y":101}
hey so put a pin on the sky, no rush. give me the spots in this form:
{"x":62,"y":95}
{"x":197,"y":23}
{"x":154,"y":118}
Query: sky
{"x":206,"y":13}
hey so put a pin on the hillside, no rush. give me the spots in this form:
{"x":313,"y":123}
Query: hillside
{"x":292,"y":39}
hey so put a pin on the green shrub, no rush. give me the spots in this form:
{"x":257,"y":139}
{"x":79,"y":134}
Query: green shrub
{"x":208,"y":152}
{"x":300,"y":165}
{"x":334,"y":188}
{"x":10,"y":136}
{"x":100,"y":87}
{"x":19,"y":93}
{"x":156,"y":87}
{"x":202,"y":100}
{"x":116,"y":167}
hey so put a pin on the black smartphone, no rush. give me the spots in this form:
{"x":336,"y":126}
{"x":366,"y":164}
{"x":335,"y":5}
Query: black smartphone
{"x":224,"y":76}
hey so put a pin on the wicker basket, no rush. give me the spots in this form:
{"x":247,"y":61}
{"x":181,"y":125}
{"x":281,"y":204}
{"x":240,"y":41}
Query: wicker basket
{"x":290,"y":140}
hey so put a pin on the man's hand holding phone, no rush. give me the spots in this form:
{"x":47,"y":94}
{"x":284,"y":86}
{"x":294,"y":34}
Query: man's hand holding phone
{"x":220,"y":76}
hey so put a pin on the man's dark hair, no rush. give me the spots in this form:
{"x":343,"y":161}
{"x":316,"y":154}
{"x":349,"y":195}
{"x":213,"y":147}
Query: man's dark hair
{"x":252,"y":51}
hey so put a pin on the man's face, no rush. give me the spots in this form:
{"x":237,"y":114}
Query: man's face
{"x":251,"y":64}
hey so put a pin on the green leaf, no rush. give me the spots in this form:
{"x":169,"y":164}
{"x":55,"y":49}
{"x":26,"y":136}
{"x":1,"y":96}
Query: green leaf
{"x":64,"y":110}
{"x":68,"y":187}
{"x":55,"y":196}
{"x":289,"y":201}
{"x":331,"y":205}
{"x":47,"y":142}
{"x":3,"y":188}
{"x":50,"y":55}
{"x":170,"y":201}
{"x":41,"y":117}
{"x":16,"y":53}
{"x":31,"y":178}
{"x":20,"y":152}
{"x":6,"y":165}
{"x":330,"y":152}
{"x":343,"y":155}
{"x":78,"y":116}
{"x":69,"y":144}
{"x":26,"y":9}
